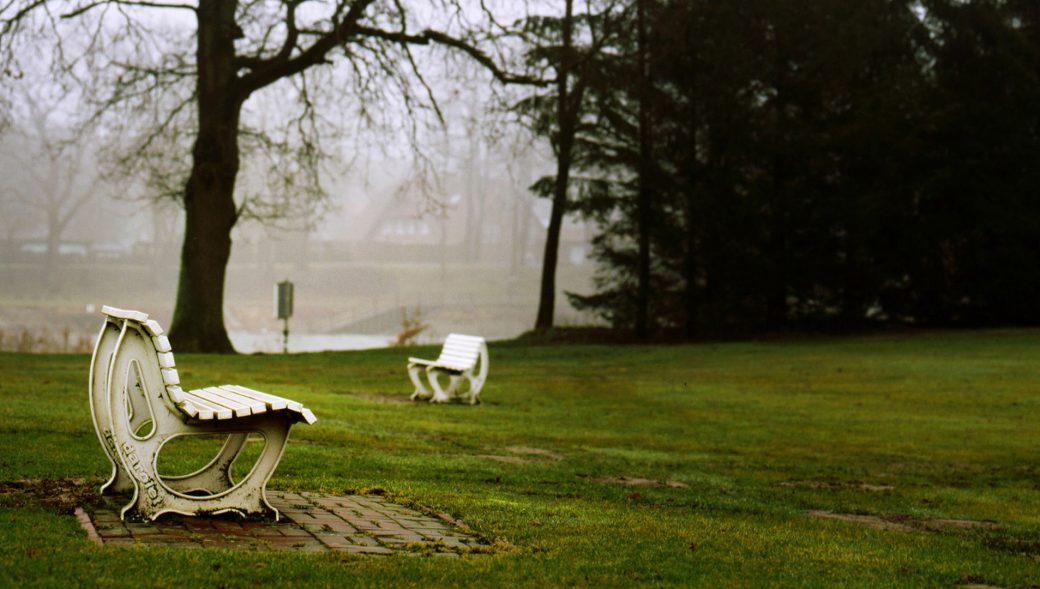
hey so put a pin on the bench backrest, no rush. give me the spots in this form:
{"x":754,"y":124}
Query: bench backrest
{"x":152,"y":338}
{"x":461,"y":351}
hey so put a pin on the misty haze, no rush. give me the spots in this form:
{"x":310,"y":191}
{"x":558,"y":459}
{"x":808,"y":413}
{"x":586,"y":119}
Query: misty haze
{"x":600,"y":293}
{"x":463,"y":253}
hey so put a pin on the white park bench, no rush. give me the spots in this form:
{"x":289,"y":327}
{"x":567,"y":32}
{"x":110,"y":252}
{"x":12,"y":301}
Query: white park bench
{"x":462,"y":357}
{"x":137,"y":406}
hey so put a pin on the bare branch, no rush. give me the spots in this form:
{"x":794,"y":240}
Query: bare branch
{"x":88,"y":7}
{"x":16,"y":18}
{"x":431,"y":36}
{"x":269,"y":71}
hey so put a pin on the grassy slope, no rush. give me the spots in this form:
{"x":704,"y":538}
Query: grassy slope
{"x":949,"y":420}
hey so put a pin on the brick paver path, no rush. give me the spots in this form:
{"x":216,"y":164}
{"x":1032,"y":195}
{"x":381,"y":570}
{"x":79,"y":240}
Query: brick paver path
{"x":311,"y":522}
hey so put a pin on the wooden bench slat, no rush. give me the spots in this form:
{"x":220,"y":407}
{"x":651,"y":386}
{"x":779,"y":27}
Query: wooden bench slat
{"x":153,"y":328}
{"x":457,"y":347}
{"x":456,"y":361}
{"x":465,"y":349}
{"x":162,"y":344}
{"x":188,"y":408}
{"x":459,"y":355}
{"x":165,"y":359}
{"x":462,"y":339}
{"x":239,"y":409}
{"x":170,"y":376}
{"x":124,"y":314}
{"x":196,"y":409}
{"x":273,"y":401}
{"x":208,"y":409}
{"x":176,"y":394}
{"x":462,"y":345}
{"x":255,"y":407}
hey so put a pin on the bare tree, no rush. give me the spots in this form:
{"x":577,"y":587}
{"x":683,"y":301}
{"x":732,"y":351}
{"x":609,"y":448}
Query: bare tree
{"x":170,"y":77}
{"x":570,"y":46}
{"x":14,"y":217}
{"x":46,"y":173}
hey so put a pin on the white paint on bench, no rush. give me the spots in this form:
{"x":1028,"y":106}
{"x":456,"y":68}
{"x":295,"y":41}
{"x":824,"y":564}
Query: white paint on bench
{"x":463,"y":357}
{"x":153,"y":328}
{"x":170,"y":376}
{"x":136,"y":316}
{"x":132,"y":356}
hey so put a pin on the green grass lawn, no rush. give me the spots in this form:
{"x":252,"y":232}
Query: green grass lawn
{"x":912,"y":430}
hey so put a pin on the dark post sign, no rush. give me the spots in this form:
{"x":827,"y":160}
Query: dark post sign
{"x":283,"y":309}
{"x":283,"y":299}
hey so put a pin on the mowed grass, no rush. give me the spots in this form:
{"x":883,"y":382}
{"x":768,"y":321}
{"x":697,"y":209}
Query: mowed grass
{"x":911,"y":429}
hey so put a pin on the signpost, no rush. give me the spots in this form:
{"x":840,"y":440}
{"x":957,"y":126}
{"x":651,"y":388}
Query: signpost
{"x":283,"y":309}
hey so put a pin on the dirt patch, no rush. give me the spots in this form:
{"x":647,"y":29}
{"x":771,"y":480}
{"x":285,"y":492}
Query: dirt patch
{"x":876,"y":488}
{"x":510,"y":459}
{"x":61,"y":494}
{"x":905,"y":524}
{"x":975,"y":582}
{"x":871,"y":521}
{"x":384,"y":398}
{"x":534,"y":451}
{"x":524,"y":455}
{"x":835,"y":485}
{"x":1027,"y":545}
{"x":638,"y":482}
{"x":958,"y":524}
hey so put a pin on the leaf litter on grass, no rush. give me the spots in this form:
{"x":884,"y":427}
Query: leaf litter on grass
{"x":524,"y":455}
{"x":64,"y":494}
{"x":904,"y":523}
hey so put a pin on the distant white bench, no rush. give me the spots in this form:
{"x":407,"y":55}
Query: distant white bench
{"x":462,"y":357}
{"x":137,"y":406}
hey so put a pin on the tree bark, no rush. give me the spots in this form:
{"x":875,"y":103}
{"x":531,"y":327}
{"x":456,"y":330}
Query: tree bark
{"x":547,"y":300}
{"x":690,"y":266}
{"x":644,"y":196}
{"x":210,"y":212}
{"x":54,"y":230}
{"x":564,"y":144}
{"x":693,"y":232}
{"x":778,"y":281}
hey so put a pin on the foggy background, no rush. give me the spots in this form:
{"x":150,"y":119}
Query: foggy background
{"x":460,"y":245}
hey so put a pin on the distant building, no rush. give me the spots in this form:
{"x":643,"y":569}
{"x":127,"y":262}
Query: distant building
{"x":498,"y":223}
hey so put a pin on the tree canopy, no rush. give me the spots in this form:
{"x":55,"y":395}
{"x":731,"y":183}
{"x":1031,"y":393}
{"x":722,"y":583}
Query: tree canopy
{"x":227,"y":105}
{"x":829,"y":163}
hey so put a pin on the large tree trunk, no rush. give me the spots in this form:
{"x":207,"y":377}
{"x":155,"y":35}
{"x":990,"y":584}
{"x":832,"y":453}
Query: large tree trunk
{"x":53,"y":259}
{"x":198,"y":318}
{"x":644,"y":196}
{"x":547,"y":300}
{"x":565,"y":115}
{"x":779,"y":282}
{"x":690,"y":299}
{"x":694,"y":233}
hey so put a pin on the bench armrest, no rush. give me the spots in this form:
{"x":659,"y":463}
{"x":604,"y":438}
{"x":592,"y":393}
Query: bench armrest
{"x":421,"y":361}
